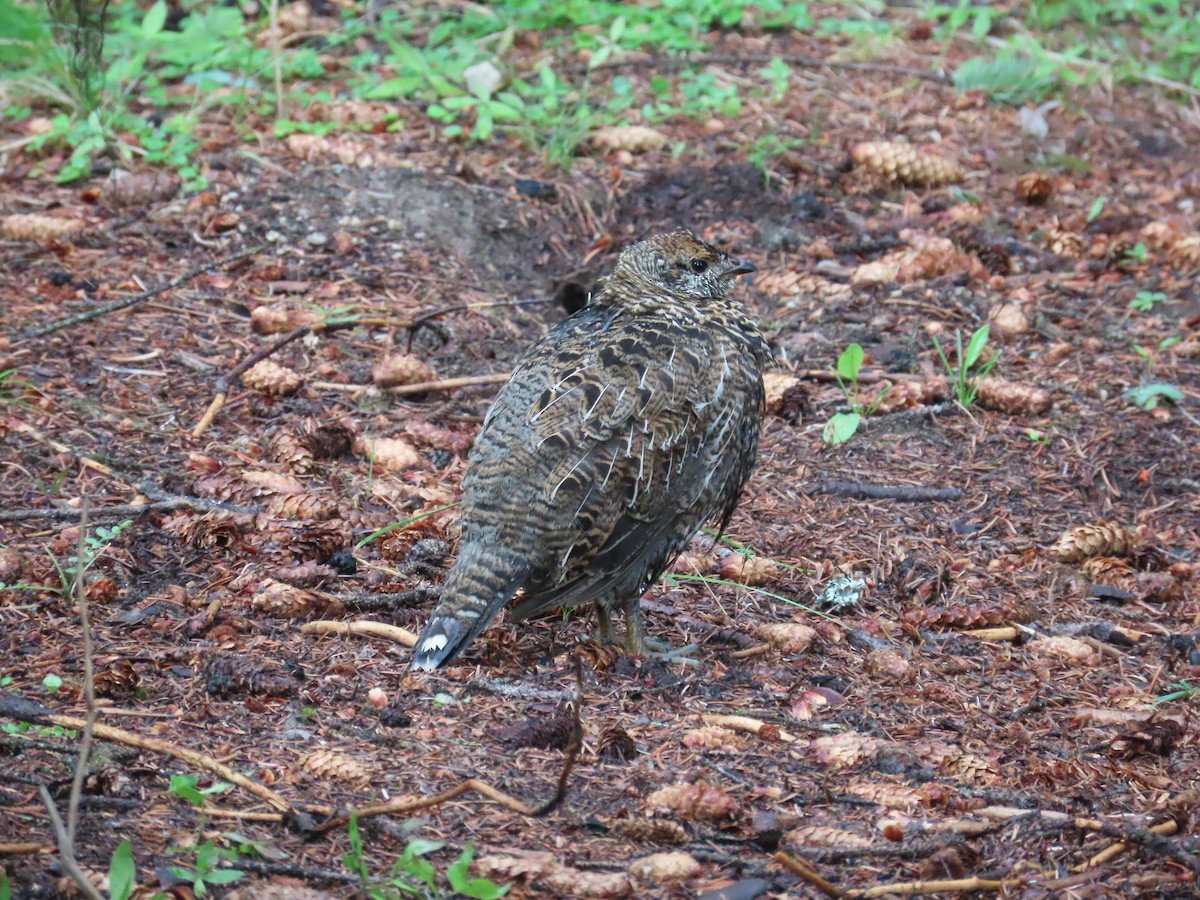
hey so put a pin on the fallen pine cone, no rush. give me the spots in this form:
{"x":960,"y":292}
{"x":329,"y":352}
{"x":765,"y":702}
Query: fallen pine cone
{"x":1011,"y":397}
{"x":906,"y":164}
{"x":1084,"y":541}
{"x":1034,"y":188}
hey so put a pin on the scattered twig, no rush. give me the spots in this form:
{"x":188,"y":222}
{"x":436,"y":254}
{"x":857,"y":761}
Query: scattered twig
{"x":225,"y":382}
{"x":745,"y":723}
{"x":1153,"y":839}
{"x":913,"y":888}
{"x":89,"y":681}
{"x":865,"y":491}
{"x":447,"y":384}
{"x":22,"y":849}
{"x":66,"y":849}
{"x":124,"y":511}
{"x":810,"y":875}
{"x":28,"y":711}
{"x":125,"y":303}
{"x":393,"y":633}
{"x":463,"y":307}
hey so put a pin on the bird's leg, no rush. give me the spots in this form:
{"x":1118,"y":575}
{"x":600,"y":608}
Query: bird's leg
{"x":638,"y":644}
{"x":604,"y":625}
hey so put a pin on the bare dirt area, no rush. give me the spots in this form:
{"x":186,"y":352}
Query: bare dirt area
{"x":984,"y":714}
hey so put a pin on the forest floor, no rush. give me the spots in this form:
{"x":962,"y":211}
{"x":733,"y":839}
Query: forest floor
{"x":988,"y":709}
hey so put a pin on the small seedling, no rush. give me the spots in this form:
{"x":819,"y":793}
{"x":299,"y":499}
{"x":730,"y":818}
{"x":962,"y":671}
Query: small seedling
{"x":1147,"y":396}
{"x":206,"y":870}
{"x":1137,"y":253}
{"x":1041,"y":438}
{"x":412,"y":874}
{"x":1145,"y":301}
{"x":841,"y":427}
{"x":1096,"y":208}
{"x":966,"y":373}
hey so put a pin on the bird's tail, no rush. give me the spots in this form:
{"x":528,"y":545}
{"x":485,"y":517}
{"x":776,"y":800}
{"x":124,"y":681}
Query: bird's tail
{"x":482,"y":580}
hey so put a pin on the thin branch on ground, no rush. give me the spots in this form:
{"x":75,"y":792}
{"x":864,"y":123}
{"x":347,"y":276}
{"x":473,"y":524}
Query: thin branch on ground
{"x":123,"y":511}
{"x":862,"y":490}
{"x":66,"y":852}
{"x":393,"y":633}
{"x":125,"y":303}
{"x":802,"y":871}
{"x":28,"y":711}
{"x":89,"y":679}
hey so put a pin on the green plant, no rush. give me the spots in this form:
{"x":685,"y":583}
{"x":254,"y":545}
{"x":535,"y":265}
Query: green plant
{"x":1179,"y":691}
{"x":1010,"y":76}
{"x":1137,"y":253}
{"x":94,"y":544}
{"x":1147,"y":396}
{"x":207,"y":870}
{"x":187,"y":787}
{"x":1145,"y":301}
{"x":966,"y":372}
{"x":1096,"y":208}
{"x":122,"y":872}
{"x":413,"y":875}
{"x":1040,"y":438}
{"x":5,"y":887}
{"x":843,"y":426}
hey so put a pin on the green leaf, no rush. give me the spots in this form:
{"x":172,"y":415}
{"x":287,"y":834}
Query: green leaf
{"x":1146,"y":396}
{"x":478,"y":888}
{"x":223,"y":876}
{"x":122,"y":873}
{"x":155,"y":19}
{"x":1096,"y":208}
{"x":840,"y":428}
{"x":52,"y":683}
{"x":975,"y":347}
{"x":849,"y":364}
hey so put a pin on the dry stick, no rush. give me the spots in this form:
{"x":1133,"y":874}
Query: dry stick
{"x":116,"y":512}
{"x":89,"y":682}
{"x":66,"y":853}
{"x":448,"y":384}
{"x":393,"y":633}
{"x":28,"y":711}
{"x":21,"y":849}
{"x":72,"y":321}
{"x":1153,"y":839}
{"x":912,"y":888}
{"x":863,"y":490}
{"x":462,"y":307}
{"x":64,"y":836}
{"x":798,"y":868}
{"x":225,"y":381}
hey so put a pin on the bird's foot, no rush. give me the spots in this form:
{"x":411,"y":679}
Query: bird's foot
{"x":653,"y":648}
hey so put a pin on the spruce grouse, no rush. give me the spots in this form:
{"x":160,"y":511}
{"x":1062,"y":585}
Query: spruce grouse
{"x":619,"y":434}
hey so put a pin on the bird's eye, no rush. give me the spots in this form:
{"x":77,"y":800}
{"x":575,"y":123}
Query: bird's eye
{"x":699,"y":265}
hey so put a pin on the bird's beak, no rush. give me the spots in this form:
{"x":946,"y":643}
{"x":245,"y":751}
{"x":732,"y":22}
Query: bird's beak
{"x":743,"y":267}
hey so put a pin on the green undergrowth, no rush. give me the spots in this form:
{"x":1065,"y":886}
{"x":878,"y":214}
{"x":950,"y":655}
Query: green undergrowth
{"x":152,"y":83}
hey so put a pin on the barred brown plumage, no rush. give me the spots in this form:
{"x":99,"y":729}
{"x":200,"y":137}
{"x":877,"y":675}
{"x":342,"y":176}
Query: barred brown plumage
{"x":618,"y":435}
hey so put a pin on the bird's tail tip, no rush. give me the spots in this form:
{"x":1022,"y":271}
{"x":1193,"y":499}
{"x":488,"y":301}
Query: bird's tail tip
{"x":436,"y":645}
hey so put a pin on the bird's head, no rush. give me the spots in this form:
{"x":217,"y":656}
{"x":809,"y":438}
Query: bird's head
{"x":680,"y":264}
